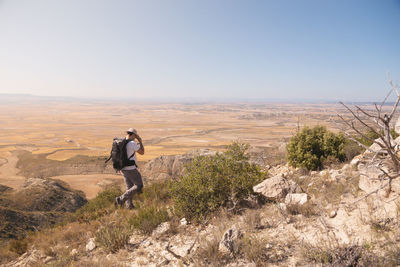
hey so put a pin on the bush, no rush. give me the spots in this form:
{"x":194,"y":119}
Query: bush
{"x":148,"y":218}
{"x":113,"y":236}
{"x":157,"y":193}
{"x":100,"y":205}
{"x":352,"y":149}
{"x":210,"y":182}
{"x":311,"y":146}
{"x":371,"y":135}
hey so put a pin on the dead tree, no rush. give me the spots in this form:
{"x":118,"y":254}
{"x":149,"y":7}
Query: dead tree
{"x":378,"y":123}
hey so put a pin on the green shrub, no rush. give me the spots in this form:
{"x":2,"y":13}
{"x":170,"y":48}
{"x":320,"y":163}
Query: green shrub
{"x":371,"y":135}
{"x":157,"y":193}
{"x":311,"y":146}
{"x":214,"y":181}
{"x":113,"y":236}
{"x":352,"y":149}
{"x":148,"y":218}
{"x":100,"y":205}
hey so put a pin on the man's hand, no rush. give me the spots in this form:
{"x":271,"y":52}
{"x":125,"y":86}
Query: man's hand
{"x":137,"y":137}
{"x":141,"y":150}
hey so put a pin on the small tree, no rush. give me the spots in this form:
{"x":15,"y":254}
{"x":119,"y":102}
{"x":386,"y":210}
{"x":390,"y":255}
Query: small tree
{"x":210,"y":182}
{"x":310,"y":147}
{"x":381,"y":132}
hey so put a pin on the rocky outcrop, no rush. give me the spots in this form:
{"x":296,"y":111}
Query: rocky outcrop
{"x":296,"y":199}
{"x":166,"y":167}
{"x":47,"y":195}
{"x":39,"y":203}
{"x":277,"y":188}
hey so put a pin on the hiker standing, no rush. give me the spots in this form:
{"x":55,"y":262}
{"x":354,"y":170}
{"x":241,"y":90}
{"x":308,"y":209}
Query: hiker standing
{"x":132,"y":177}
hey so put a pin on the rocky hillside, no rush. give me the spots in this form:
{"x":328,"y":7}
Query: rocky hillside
{"x":38,"y":203}
{"x":334,"y":217}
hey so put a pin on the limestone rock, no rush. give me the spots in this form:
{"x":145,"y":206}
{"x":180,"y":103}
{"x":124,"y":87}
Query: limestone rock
{"x":355,"y":160}
{"x":332,"y":214}
{"x":90,"y":246}
{"x":370,"y":176}
{"x":229,"y":241}
{"x":397,"y":125}
{"x":183,"y":221}
{"x":277,"y":187}
{"x":165,"y":167}
{"x":281,"y":170}
{"x":48,"y":259}
{"x":296,"y":199}
{"x":29,"y":258}
{"x":374,"y":148}
{"x":161,"y":229}
{"x":282,"y":206}
{"x":73,"y":252}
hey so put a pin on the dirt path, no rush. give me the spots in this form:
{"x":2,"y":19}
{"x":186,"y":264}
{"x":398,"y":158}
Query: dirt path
{"x":9,"y":172}
{"x":90,"y":184}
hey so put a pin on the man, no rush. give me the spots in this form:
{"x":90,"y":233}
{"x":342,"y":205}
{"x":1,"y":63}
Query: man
{"x":132,"y":177}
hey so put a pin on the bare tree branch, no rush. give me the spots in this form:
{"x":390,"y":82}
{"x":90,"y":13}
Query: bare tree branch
{"x":382,"y":129}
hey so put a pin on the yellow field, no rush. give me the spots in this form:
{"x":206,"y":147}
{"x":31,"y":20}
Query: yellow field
{"x":62,"y":130}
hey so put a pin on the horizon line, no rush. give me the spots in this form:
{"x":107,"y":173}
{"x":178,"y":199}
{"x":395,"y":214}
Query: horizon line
{"x":188,"y":99}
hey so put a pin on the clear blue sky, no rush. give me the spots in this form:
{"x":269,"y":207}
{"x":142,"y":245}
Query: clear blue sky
{"x":298,"y":49}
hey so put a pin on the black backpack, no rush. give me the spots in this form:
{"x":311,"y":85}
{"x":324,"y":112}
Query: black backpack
{"x":118,"y":154}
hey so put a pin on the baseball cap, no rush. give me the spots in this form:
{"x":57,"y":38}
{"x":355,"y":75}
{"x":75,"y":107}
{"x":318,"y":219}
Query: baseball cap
{"x":131,"y":130}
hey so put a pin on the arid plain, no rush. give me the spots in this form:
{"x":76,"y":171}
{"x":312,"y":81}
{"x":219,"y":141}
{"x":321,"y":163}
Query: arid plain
{"x":54,"y":132}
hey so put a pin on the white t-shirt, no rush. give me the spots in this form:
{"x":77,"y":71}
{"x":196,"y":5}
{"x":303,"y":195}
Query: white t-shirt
{"x":131,"y":147}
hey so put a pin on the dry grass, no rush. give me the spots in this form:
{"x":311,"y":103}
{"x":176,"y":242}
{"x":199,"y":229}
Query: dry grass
{"x":308,"y":209}
{"x":73,"y":235}
{"x":208,"y":253}
{"x":254,"y":249}
{"x":113,"y":236}
{"x":253,"y":220}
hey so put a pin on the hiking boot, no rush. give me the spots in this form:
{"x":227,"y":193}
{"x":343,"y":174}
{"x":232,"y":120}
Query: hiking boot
{"x":129,"y":205}
{"x":117,"y":202}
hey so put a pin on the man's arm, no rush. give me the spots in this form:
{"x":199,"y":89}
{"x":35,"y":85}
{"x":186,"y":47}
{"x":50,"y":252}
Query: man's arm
{"x":141,"y":149}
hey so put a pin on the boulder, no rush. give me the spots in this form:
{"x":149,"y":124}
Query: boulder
{"x":296,"y":199}
{"x":229,"y":241}
{"x":166,"y":167}
{"x":374,"y":148}
{"x":277,"y":188}
{"x":90,"y":246}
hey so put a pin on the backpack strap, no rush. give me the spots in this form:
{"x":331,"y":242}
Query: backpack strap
{"x":109,"y":157}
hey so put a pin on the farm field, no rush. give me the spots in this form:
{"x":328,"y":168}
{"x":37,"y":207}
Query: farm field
{"x":61,"y":130}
